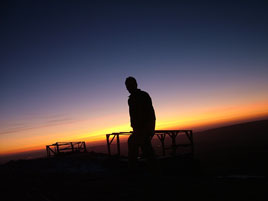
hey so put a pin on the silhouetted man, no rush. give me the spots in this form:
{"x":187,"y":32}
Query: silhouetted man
{"x":142,"y":118}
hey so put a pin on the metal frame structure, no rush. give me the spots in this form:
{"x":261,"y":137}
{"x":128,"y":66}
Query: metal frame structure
{"x":161,"y":135}
{"x":63,"y":147}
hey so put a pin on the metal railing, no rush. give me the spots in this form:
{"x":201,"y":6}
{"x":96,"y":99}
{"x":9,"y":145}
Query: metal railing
{"x":161,"y":135}
{"x":63,"y":147}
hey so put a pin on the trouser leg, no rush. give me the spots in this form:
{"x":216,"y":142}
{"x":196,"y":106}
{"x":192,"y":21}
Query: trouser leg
{"x":149,"y":154}
{"x":147,"y":149}
{"x":146,"y":145}
{"x":133,"y":151}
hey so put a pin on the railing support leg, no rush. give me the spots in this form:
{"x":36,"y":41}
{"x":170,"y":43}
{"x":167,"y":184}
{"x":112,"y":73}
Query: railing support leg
{"x":108,"y":144}
{"x":48,"y":153}
{"x":118,"y":145}
{"x":161,"y":137}
{"x":192,"y":142}
{"x":72,"y":147}
{"x":173,"y":137}
{"x":57,"y":148}
{"x":85,"y":147}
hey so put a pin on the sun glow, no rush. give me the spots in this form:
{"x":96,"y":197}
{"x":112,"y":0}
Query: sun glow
{"x":28,"y":140}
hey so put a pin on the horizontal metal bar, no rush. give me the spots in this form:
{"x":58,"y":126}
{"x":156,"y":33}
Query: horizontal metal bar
{"x":65,"y":143}
{"x":156,"y":132}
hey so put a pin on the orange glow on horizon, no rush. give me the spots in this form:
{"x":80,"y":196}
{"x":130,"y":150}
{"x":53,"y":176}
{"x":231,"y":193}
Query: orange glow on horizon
{"x":218,"y":116}
{"x":73,"y":132}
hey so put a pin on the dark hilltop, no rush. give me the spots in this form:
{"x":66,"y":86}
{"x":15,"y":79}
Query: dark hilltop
{"x":229,"y":163}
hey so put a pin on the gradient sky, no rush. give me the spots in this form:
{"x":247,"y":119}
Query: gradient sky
{"x":64,"y":63}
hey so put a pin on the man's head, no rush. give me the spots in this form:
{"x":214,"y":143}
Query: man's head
{"x":131,"y":84}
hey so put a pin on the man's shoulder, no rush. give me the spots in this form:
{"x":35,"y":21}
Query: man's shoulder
{"x":139,"y":94}
{"x":143,"y":96}
{"x":144,"y":93}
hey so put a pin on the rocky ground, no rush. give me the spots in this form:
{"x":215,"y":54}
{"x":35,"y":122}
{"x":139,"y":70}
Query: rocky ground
{"x":94,"y":176}
{"x":229,"y":163}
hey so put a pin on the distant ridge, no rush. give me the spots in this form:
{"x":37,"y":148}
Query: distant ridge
{"x":238,"y":146}
{"x":261,"y":123}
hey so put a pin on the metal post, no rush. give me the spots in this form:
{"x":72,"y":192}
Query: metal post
{"x":72,"y":147}
{"x":192,"y":141}
{"x":189,"y":134}
{"x":85,"y":148}
{"x":108,"y":144}
{"x":173,"y":137}
{"x":161,"y":137}
{"x":58,"y":150}
{"x":48,"y":153}
{"x":118,"y":145}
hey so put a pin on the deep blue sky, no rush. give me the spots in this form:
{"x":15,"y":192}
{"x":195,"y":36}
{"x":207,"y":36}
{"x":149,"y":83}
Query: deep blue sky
{"x":69,"y":59}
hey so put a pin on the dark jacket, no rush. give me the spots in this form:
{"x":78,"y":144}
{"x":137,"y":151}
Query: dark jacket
{"x":141,"y":110}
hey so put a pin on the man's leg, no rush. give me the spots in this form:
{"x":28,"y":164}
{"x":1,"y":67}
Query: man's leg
{"x":149,"y":154}
{"x":147,"y":149}
{"x":133,"y":151}
{"x":146,"y":146}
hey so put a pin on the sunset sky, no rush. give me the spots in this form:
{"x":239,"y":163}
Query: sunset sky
{"x":64,"y":63}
